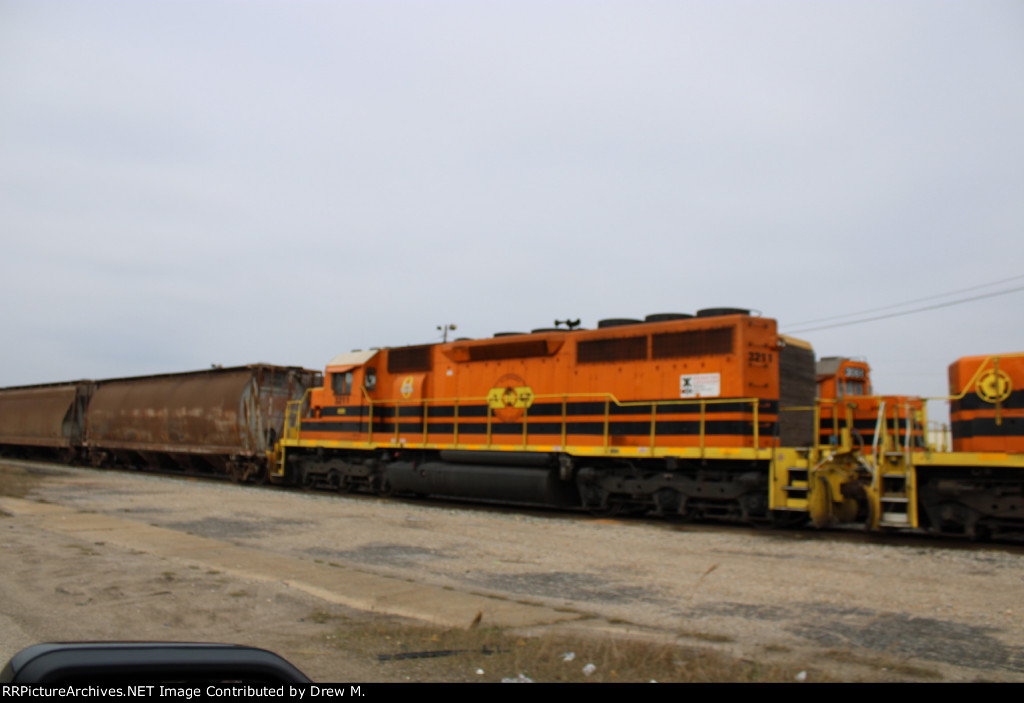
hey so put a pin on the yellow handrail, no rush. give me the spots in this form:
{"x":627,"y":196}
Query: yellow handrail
{"x":977,"y":374}
{"x":369,"y":409}
{"x":608,"y":400}
{"x":607,"y":423}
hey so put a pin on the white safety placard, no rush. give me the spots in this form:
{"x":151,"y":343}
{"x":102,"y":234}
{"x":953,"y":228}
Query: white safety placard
{"x":700,"y":385}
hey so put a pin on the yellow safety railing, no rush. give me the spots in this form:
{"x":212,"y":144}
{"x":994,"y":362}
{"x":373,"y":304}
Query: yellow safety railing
{"x":899,"y":427}
{"x":939,"y":436}
{"x":293,"y":416}
{"x":989,"y":365}
{"x":607,"y":399}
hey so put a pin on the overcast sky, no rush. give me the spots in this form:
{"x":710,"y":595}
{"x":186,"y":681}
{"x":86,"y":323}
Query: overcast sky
{"x":187,"y":183}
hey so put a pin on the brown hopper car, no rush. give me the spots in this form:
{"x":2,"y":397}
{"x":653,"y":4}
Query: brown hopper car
{"x":218,"y":421}
{"x":44,"y":420}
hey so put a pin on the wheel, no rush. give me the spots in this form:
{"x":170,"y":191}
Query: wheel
{"x":259,"y":476}
{"x":338,"y":478}
{"x":380,"y":485}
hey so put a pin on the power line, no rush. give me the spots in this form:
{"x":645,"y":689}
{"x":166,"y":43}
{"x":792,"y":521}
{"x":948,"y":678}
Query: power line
{"x":907,"y":312}
{"x":909,"y":302}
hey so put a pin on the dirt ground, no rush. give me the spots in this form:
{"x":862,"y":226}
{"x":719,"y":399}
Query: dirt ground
{"x":210,"y":561}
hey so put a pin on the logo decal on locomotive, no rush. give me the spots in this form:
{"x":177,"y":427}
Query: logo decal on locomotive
{"x":994,"y":388}
{"x":408,"y":385}
{"x":509,"y":397}
{"x":700,"y":385}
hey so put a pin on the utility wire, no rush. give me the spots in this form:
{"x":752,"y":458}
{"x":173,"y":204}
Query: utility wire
{"x":909,"y":302}
{"x":907,"y":312}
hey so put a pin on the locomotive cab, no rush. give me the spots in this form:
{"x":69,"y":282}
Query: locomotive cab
{"x":847,"y":402}
{"x":348,"y":379}
{"x":839,"y":377}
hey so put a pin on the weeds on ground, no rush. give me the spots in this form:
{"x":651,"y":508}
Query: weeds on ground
{"x":413,"y":652}
{"x":888,"y":663}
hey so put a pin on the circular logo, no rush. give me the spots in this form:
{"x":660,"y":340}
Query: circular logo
{"x":994,"y":387}
{"x":509,"y":397}
{"x":408,"y":385}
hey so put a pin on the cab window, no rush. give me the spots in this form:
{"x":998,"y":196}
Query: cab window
{"x":341,"y":383}
{"x":854,"y":388}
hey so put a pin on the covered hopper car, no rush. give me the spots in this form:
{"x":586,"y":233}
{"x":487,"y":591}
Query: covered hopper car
{"x":217,"y":421}
{"x":44,"y":420}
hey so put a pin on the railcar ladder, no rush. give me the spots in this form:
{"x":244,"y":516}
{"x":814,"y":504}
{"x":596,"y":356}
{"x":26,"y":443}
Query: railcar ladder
{"x":894,"y":479}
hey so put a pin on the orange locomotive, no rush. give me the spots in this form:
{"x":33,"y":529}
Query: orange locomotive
{"x":986,"y":404}
{"x":987,"y":411}
{"x":713,"y":416}
{"x":909,"y":477}
{"x":669,"y":414}
{"x":845,"y":397}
